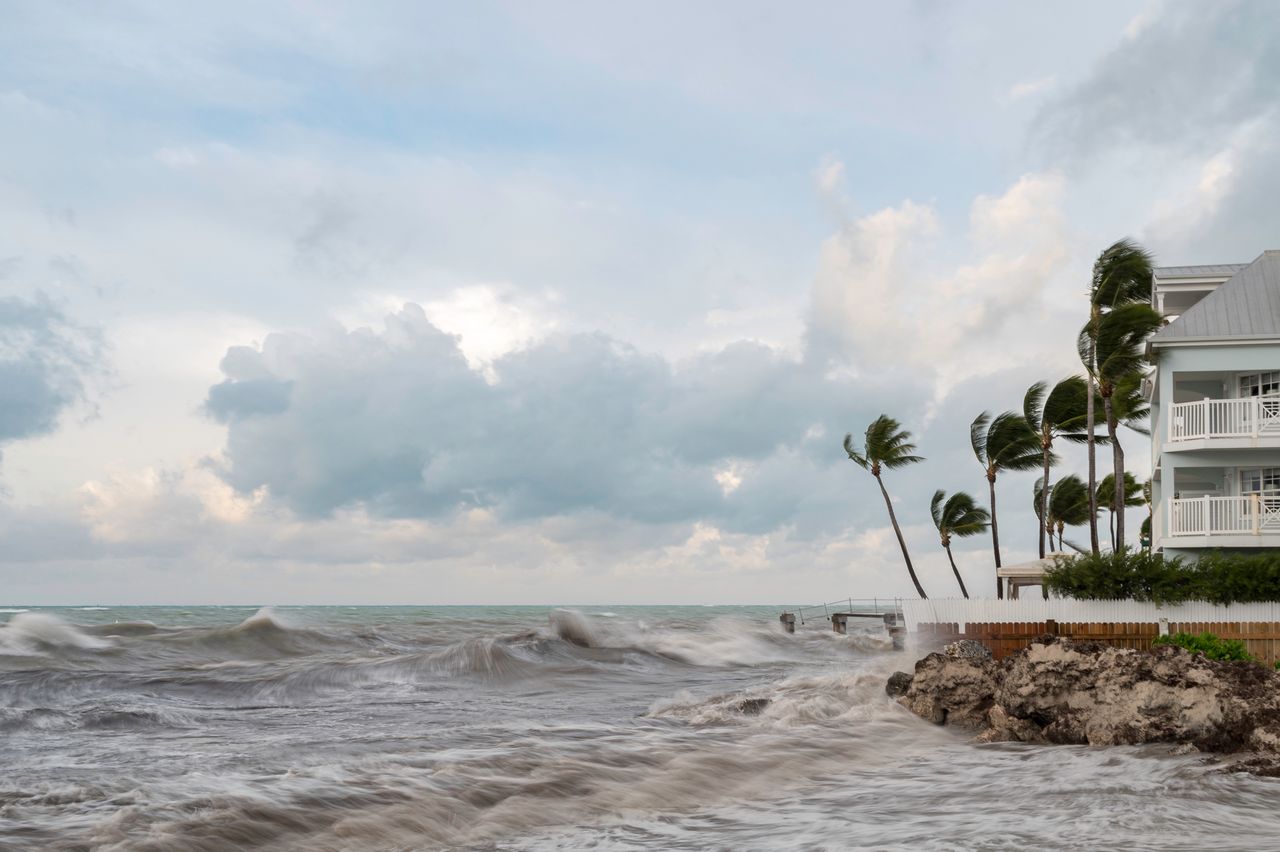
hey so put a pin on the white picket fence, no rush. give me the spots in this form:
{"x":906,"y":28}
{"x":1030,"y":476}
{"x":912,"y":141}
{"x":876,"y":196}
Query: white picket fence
{"x":992,"y":611}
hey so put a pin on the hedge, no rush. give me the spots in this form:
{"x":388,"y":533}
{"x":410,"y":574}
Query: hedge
{"x":1140,"y":575}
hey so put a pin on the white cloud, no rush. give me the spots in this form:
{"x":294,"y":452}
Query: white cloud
{"x":1027,"y":88}
{"x":884,"y":294}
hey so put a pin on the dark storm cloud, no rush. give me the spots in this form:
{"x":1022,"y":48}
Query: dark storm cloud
{"x":397,"y":422}
{"x":44,"y":359}
{"x":1183,"y":78}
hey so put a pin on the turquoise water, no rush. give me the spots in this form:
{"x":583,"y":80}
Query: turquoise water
{"x":398,"y":728}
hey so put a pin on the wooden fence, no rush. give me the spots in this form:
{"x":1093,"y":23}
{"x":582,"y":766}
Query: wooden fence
{"x":1004,"y":635}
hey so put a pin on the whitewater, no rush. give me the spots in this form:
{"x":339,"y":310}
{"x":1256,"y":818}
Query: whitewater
{"x":399,"y":728}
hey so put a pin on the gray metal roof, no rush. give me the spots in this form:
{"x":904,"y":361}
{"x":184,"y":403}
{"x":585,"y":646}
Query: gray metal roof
{"x":1207,"y":271}
{"x":1247,"y":305}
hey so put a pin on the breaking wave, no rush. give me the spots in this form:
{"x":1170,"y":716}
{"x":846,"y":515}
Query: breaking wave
{"x":36,"y":634}
{"x":722,"y":642}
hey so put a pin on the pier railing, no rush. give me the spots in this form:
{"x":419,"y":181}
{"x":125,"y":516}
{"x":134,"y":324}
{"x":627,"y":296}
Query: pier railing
{"x":870,"y":607}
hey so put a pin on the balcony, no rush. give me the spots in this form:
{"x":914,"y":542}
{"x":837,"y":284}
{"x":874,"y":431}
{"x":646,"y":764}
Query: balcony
{"x":1247,"y":417}
{"x":1249,"y":514}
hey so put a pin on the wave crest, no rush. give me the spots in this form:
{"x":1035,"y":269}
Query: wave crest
{"x":37,"y":634}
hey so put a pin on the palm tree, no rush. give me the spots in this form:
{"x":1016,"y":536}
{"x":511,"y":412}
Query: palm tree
{"x":887,"y":445}
{"x":1121,"y":276}
{"x":1066,"y":505}
{"x":1117,"y":345}
{"x":959,"y":517}
{"x":1134,"y":495}
{"x":1003,"y":442}
{"x":1059,"y":413}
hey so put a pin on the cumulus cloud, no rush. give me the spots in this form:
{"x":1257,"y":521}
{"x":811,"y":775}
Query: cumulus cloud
{"x":396,"y":421}
{"x":885,"y":294}
{"x":44,"y":361}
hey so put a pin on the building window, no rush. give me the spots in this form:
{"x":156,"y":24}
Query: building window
{"x":1264,"y":480}
{"x":1260,"y":384}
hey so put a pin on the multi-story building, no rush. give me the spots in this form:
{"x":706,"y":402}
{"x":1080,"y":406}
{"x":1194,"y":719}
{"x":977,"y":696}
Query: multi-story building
{"x":1215,"y":407}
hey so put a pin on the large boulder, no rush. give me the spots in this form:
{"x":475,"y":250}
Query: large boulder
{"x":1064,"y":691}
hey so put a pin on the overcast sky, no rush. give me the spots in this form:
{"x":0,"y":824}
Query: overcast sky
{"x":313,"y":302}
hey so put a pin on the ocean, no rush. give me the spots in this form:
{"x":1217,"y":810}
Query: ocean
{"x":408,"y":728}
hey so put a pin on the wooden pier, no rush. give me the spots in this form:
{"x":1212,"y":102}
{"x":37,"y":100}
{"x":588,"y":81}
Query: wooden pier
{"x":887,"y":611}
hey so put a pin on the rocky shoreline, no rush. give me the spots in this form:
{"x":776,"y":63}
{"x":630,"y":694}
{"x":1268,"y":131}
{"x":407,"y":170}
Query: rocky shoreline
{"x":1086,"y":693}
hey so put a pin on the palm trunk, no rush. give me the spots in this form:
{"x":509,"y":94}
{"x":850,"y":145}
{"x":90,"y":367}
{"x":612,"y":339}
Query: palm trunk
{"x":995,"y":533}
{"x":956,"y":571}
{"x":1044,"y":500}
{"x":1111,"y":521}
{"x":1117,"y":454}
{"x":1090,"y":417}
{"x":893,"y":519}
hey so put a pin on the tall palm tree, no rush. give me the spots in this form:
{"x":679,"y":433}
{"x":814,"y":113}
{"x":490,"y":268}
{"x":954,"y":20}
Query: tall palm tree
{"x":959,"y":517}
{"x":886,"y":445}
{"x":1067,"y":505}
{"x":1121,"y":276}
{"x":1134,"y":495}
{"x":1003,"y":442}
{"x":1056,"y":413}
{"x":1117,"y":343}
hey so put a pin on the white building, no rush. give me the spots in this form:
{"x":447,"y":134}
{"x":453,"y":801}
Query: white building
{"x":1215,"y":407}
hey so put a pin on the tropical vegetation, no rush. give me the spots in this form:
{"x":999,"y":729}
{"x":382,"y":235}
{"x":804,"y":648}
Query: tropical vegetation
{"x":887,"y":446}
{"x":1110,"y":348}
{"x":1134,"y":495}
{"x":1064,"y":504}
{"x":957,"y":516}
{"x":1050,"y":414}
{"x":1141,"y":575}
{"x":1001,"y":443}
{"x":1090,"y":409}
{"x":1210,"y":645}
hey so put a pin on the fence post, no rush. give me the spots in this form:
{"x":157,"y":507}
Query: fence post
{"x":1204,"y":413}
{"x":1164,"y":627}
{"x":1205,"y":508}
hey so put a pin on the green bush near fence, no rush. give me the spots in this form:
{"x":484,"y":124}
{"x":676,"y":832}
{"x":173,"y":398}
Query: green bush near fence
{"x":1140,"y":575}
{"x":1209,"y":645}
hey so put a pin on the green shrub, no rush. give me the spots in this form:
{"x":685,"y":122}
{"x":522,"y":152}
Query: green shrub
{"x":1209,"y":645}
{"x":1140,"y":575}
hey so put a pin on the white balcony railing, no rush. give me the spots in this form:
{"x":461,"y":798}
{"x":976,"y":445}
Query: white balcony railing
{"x":1250,"y":514}
{"x":1248,"y":417}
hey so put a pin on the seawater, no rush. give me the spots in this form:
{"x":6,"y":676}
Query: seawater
{"x":372,"y":728}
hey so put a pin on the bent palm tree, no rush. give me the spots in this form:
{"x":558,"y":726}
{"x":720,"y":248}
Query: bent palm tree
{"x":1059,"y":413}
{"x":959,"y":517}
{"x":887,"y":445}
{"x":1066,"y":505}
{"x":1121,"y":276}
{"x":1118,"y":354}
{"x":1000,"y":443}
{"x":1134,"y":495}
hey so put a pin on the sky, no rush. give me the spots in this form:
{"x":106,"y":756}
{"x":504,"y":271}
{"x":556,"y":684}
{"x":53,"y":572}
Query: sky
{"x":427,"y":303}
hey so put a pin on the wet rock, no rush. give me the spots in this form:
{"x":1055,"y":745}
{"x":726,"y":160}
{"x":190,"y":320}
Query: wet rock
{"x":898,"y":684}
{"x":950,"y":690}
{"x":752,"y":706}
{"x":1064,"y":691}
{"x":967,"y":649}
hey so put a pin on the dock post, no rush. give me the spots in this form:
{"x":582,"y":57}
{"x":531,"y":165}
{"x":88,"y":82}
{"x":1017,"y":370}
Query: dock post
{"x":839,"y":622}
{"x":788,"y":620}
{"x":897,"y":632}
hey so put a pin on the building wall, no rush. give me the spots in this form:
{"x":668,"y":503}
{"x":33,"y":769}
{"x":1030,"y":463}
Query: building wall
{"x":1254,"y":357}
